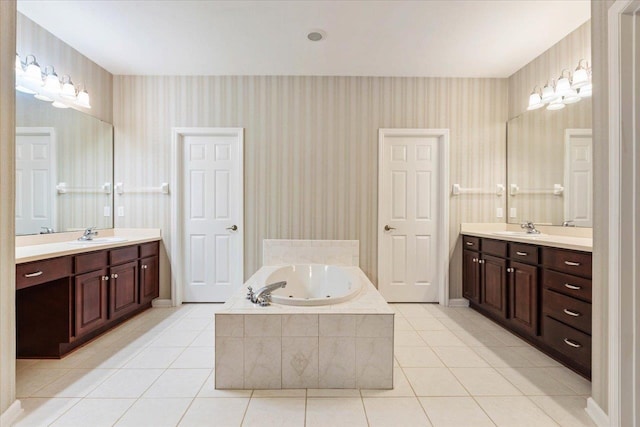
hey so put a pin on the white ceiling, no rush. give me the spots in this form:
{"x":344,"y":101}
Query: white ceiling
{"x":481,"y":38}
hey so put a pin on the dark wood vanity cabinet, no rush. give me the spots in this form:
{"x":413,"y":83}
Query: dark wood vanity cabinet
{"x":149,"y":279}
{"x":541,"y":293}
{"x":91,"y":302}
{"x":471,"y":278}
{"x":62,"y":303}
{"x":523,"y":293}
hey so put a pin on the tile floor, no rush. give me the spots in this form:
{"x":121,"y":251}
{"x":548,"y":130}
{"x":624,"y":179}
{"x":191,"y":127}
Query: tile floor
{"x":453,"y":367}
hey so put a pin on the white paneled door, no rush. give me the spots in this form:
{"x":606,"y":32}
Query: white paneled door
{"x":578,"y":177}
{"x":35,"y":179}
{"x":212,"y":213}
{"x":411,"y":214}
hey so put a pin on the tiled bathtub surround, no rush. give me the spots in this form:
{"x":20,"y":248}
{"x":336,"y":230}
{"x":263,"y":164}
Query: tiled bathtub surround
{"x":273,"y":351}
{"x":347,"y":345}
{"x":333,"y":252}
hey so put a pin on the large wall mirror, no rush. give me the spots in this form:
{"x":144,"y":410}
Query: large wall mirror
{"x":64,"y":169}
{"x":550,"y":166}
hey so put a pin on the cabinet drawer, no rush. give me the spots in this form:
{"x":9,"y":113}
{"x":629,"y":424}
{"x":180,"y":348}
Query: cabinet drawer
{"x":569,"y":310}
{"x":567,"y":284}
{"x":471,"y":243}
{"x":494,"y":247}
{"x":149,"y":249}
{"x":568,"y":341}
{"x":118,"y":256}
{"x":90,"y":262}
{"x":34,"y":273}
{"x":523,"y":253}
{"x":578,"y":263}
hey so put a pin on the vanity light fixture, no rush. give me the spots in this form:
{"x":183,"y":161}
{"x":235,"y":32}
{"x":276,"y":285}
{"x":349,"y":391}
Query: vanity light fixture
{"x":586,"y":91}
{"x":535,"y":99}
{"x":83,"y":99}
{"x":42,"y":97}
{"x":59,"y":104}
{"x":571,"y":97}
{"x":68,"y":89}
{"x":47,"y":86}
{"x":563,"y":85}
{"x":32,"y":70}
{"x":580,"y":75}
{"x":556,"y":104}
{"x":568,"y":89}
{"x":548,"y":92}
{"x":51,"y":80}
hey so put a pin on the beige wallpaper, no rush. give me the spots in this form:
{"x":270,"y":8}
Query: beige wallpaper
{"x":7,"y":209}
{"x":84,"y":158}
{"x":310,"y":150}
{"x":564,"y":54}
{"x":49,"y":50}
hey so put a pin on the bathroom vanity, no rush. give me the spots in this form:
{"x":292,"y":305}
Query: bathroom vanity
{"x":68,"y":296}
{"x":538,"y":288}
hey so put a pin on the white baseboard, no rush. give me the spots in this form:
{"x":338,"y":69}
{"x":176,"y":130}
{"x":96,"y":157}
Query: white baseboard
{"x":458,"y":302}
{"x":596,"y":413}
{"x":11,"y":414}
{"x":161,"y":303}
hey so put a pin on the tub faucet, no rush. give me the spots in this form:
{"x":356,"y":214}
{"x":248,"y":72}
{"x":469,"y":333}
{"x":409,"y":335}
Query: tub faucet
{"x":89,"y":233}
{"x":530,"y":227}
{"x":263,"y":295}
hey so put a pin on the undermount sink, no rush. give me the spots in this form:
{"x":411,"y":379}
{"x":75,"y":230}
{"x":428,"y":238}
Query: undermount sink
{"x":98,"y":241}
{"x":517,"y":234}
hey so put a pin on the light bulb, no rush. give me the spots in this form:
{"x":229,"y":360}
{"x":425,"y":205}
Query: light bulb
{"x":548,"y":93}
{"x":83,"y":99}
{"x":535,"y":101}
{"x":68,"y":89}
{"x":32,"y":71}
{"x":563,"y":86}
{"x":52,"y":82}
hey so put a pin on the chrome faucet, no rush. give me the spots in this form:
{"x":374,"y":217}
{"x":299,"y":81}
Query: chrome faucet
{"x":89,"y":233}
{"x":568,"y":223}
{"x":263,"y":295}
{"x":530,"y":227}
{"x":46,"y":230}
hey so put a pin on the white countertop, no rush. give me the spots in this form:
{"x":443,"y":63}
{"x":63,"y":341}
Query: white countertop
{"x":556,"y":237}
{"x":368,"y":300}
{"x":45,"y":246}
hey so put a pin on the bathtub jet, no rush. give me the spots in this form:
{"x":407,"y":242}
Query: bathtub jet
{"x":263,"y":295}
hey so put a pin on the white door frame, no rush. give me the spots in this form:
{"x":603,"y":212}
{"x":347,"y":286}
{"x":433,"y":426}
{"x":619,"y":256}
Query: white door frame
{"x":53,"y":161}
{"x":177,"y":212}
{"x":619,"y":366}
{"x":568,"y":134}
{"x":443,"y":201}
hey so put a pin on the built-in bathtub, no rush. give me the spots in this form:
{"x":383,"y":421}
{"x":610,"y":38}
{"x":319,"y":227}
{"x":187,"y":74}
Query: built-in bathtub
{"x":344,"y":340}
{"x":313,"y":284}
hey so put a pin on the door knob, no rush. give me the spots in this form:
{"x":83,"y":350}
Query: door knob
{"x":233,"y":228}
{"x":387,"y":228}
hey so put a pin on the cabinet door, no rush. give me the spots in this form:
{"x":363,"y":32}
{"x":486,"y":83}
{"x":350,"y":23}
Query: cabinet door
{"x":123,"y":295}
{"x":91,"y":301}
{"x":149,"y":280}
{"x":523,"y":297}
{"x":471,"y":276}
{"x":493,"y":293}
